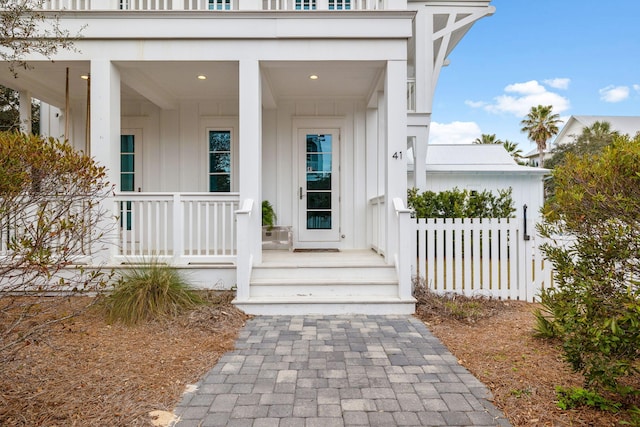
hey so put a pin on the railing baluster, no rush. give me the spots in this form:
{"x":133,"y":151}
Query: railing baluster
{"x":224,"y":234}
{"x":215,"y":230}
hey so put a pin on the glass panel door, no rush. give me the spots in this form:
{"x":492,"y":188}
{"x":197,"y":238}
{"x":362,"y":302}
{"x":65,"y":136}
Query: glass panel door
{"x":318,"y":181}
{"x":319,"y":190}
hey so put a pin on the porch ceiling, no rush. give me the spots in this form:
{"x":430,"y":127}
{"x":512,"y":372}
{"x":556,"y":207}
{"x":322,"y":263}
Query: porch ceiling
{"x":166,"y":83}
{"x":335,"y":79}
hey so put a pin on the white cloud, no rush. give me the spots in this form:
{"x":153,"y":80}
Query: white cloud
{"x":454,"y":133}
{"x":520,"y":97}
{"x":558,"y":83}
{"x":636,"y":88}
{"x":475,"y":104}
{"x":532,"y":87}
{"x":614,"y":93}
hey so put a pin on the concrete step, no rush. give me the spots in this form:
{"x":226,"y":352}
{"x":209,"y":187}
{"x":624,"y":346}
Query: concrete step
{"x":299,"y":306}
{"x":327,"y":289}
{"x":326,"y":282}
{"x":325,"y":274}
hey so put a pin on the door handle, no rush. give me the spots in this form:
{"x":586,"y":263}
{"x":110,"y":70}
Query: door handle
{"x":301,"y":195}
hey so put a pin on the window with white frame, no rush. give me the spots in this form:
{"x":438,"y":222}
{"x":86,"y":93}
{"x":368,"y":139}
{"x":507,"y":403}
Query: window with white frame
{"x":305,"y":4}
{"x":219,"y":4}
{"x":220,"y":161}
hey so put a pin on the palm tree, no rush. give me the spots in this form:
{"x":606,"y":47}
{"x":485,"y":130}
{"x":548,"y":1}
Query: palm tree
{"x":591,"y":140}
{"x":487,"y":139}
{"x":541,"y":124}
{"x":599,"y":132}
{"x":513,"y":149}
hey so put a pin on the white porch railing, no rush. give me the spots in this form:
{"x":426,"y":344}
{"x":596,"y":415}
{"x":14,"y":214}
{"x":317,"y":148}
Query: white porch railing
{"x":402,"y":257}
{"x":376,"y":216}
{"x":183,"y":228}
{"x":245,"y":255}
{"x":337,"y":5}
{"x":473,"y":256}
{"x":213,"y":5}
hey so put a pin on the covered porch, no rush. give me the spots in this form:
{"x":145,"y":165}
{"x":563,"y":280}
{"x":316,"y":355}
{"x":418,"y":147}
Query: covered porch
{"x":194,"y":147}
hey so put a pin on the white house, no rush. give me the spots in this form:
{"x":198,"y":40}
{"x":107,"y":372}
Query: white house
{"x":479,"y":167}
{"x":573,"y":127}
{"x":628,"y":125}
{"x":201,"y":109}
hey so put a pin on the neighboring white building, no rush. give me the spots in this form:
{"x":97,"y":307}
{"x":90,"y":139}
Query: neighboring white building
{"x":532,"y":158}
{"x":629,"y":125}
{"x":202,"y":109}
{"x":479,"y":167}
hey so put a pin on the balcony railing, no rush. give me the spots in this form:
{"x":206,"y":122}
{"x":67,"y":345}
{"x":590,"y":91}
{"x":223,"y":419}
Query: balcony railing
{"x":213,"y":5}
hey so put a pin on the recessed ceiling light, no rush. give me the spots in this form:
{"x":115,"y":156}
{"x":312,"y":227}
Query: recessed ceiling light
{"x":84,"y":77}
{"x":202,"y":77}
{"x":313,"y":77}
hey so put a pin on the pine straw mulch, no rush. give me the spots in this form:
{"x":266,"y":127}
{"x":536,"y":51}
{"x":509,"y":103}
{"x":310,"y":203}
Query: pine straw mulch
{"x":494,"y":340}
{"x":89,"y":373}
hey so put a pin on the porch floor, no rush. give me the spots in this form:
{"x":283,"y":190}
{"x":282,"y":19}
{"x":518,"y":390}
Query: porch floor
{"x":344,"y":258}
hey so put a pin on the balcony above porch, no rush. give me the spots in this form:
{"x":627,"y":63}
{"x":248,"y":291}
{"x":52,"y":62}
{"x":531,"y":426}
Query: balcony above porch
{"x":223,"y":5}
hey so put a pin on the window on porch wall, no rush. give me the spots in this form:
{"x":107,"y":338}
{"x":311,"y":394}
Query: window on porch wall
{"x":219,"y":4}
{"x":127,"y":175}
{"x":220,"y":161}
{"x":339,"y":4}
{"x":306,"y":4}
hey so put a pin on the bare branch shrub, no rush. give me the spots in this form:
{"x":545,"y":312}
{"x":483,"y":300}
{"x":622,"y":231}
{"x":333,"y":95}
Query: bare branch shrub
{"x":25,"y":29}
{"x":52,"y":223}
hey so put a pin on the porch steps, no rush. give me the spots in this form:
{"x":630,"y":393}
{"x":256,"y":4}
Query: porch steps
{"x":332,"y":288}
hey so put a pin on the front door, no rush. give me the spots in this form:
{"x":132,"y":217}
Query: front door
{"x":318,"y":188}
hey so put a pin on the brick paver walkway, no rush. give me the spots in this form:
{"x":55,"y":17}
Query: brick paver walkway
{"x":338,"y":371}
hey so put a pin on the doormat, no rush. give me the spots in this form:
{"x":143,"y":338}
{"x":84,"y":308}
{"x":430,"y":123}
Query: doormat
{"x":316,"y":250}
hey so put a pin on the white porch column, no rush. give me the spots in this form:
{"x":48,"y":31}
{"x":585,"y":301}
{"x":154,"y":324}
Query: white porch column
{"x":396,"y":147}
{"x":25,"y":111}
{"x":104,"y":5}
{"x":249,"y":4}
{"x":396,"y":5}
{"x":105,"y":134}
{"x":424,"y":60}
{"x":250,"y":139}
{"x":418,"y":125}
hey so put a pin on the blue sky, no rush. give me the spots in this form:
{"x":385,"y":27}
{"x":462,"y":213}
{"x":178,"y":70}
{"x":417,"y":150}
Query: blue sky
{"x":582,"y":57}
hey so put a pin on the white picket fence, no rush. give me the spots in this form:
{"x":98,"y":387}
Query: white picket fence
{"x":480,"y":257}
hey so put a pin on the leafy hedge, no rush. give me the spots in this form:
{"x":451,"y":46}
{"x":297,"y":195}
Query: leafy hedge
{"x":458,"y":203}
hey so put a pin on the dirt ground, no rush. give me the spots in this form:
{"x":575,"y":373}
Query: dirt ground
{"x":521,"y":371}
{"x":89,"y":373}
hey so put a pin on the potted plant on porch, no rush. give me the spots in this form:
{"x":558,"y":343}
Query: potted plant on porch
{"x":268,"y":215}
{"x":274,"y":236}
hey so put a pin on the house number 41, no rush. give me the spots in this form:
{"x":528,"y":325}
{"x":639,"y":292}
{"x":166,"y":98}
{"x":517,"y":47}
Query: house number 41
{"x":397,"y":155}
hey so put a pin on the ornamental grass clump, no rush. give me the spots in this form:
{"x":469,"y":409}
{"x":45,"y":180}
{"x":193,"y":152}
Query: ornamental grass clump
{"x":149,"y":292}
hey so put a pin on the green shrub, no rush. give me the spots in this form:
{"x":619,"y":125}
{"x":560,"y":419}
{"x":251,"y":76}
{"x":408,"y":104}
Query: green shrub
{"x":594,"y":307}
{"x":149,"y":292}
{"x":458,"y":203}
{"x":574,"y":397}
